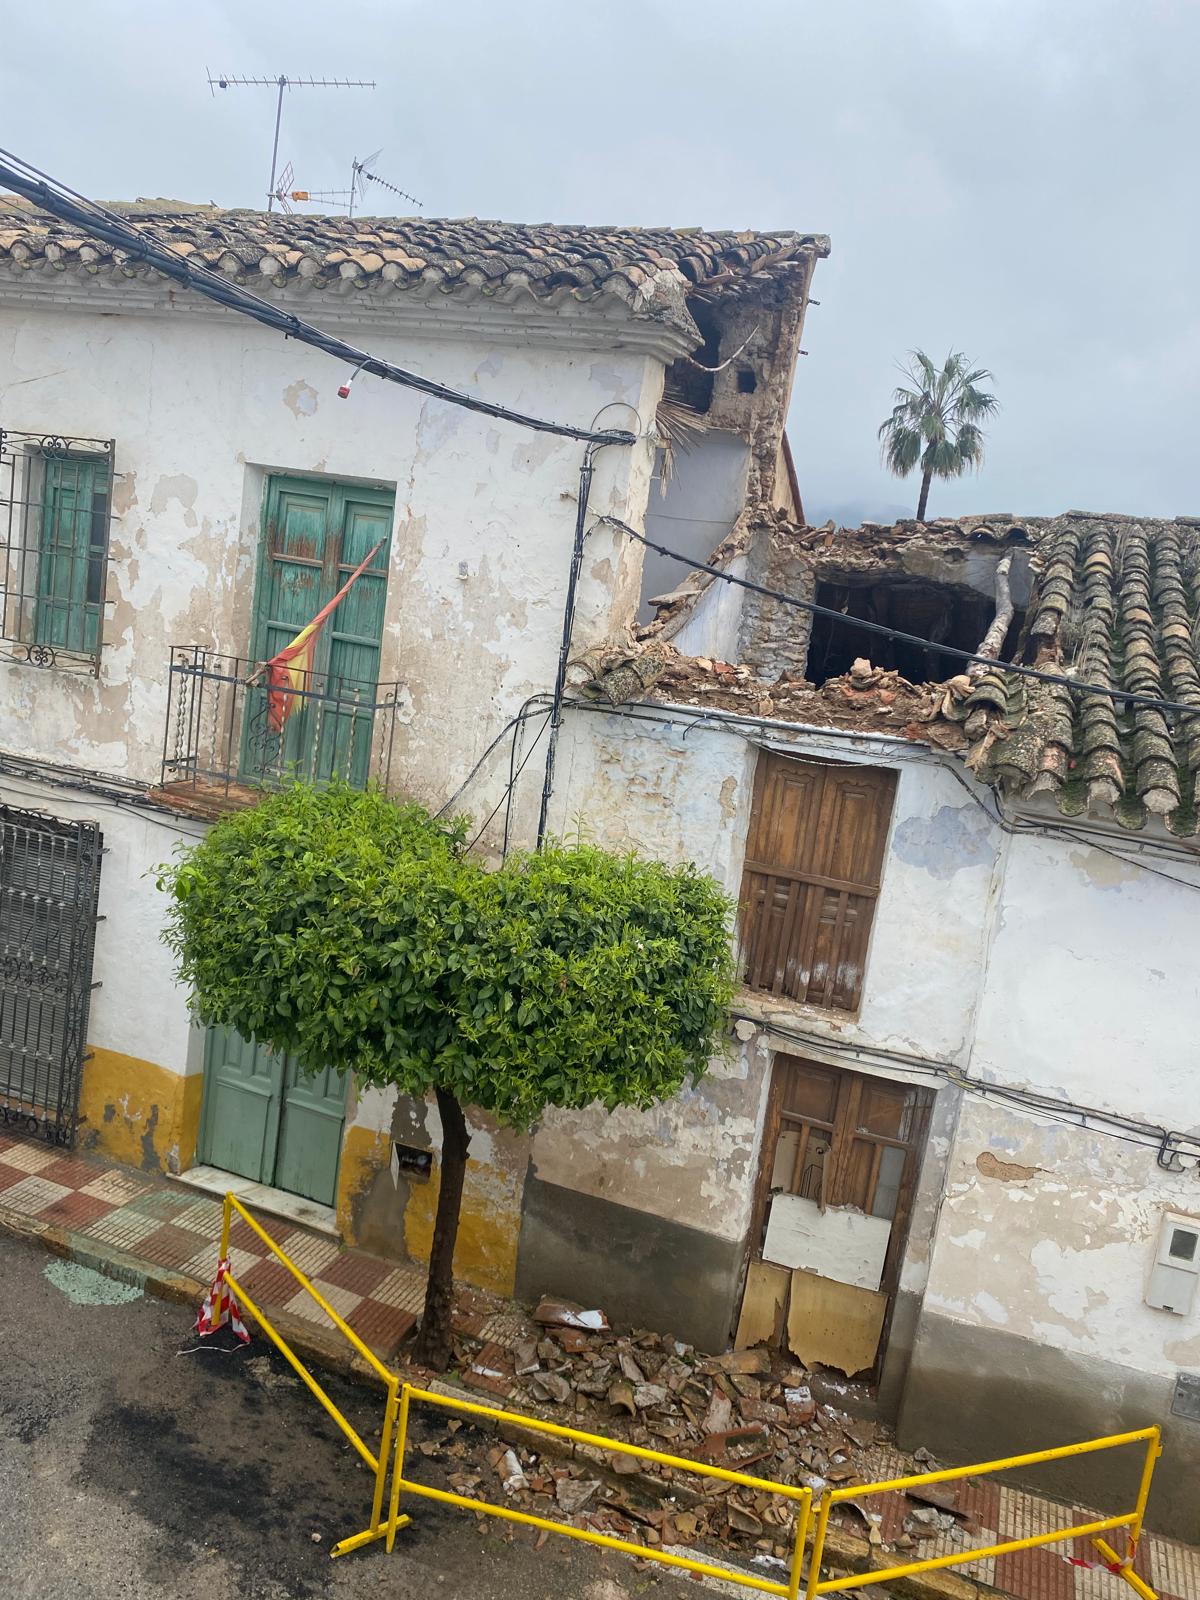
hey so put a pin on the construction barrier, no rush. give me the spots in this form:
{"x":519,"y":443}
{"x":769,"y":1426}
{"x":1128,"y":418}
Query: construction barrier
{"x":377,"y":1461}
{"x":1131,"y":1520}
{"x":394,"y":1437}
{"x":400,"y":1484}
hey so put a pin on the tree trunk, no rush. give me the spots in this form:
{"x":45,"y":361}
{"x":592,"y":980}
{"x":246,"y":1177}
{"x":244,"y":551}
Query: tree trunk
{"x":926,"y":480}
{"x":433,"y":1342}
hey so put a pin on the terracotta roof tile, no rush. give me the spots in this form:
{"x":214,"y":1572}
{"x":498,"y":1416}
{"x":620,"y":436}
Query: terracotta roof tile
{"x":650,"y":268}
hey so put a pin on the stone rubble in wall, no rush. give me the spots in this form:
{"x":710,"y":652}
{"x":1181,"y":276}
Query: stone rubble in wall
{"x":751,"y":1411}
{"x":868,"y":697}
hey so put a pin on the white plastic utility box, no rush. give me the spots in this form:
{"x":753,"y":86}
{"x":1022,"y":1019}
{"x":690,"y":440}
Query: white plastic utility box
{"x":1176,"y":1267}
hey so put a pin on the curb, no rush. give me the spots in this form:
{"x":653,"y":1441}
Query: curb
{"x":845,"y":1552}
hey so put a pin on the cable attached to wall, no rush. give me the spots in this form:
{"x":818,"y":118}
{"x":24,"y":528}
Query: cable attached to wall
{"x":58,"y":200}
{"x":1125,"y":696}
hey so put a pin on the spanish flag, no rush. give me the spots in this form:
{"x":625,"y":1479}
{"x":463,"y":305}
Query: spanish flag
{"x":287,"y":672}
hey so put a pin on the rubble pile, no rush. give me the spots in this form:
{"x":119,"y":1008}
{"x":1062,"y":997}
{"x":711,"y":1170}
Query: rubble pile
{"x":750,"y":1411}
{"x":867,"y":697}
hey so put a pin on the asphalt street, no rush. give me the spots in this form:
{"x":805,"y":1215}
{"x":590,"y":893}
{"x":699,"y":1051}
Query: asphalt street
{"x":138,"y":1464}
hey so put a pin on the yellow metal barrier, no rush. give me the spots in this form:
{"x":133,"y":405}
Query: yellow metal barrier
{"x":394,"y":1438}
{"x":1131,"y":1520}
{"x":801,"y":1496}
{"x":377,"y":1461}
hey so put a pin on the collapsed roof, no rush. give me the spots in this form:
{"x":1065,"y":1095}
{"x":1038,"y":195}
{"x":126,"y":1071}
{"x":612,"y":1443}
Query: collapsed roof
{"x":1101,"y":599}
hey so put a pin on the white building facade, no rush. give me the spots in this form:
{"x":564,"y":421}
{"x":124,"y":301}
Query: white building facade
{"x":954,"y":1136}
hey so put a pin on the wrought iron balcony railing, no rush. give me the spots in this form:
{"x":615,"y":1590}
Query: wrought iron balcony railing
{"x":222,"y":746}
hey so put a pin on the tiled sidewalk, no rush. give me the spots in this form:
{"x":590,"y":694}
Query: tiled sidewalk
{"x":170,"y":1227}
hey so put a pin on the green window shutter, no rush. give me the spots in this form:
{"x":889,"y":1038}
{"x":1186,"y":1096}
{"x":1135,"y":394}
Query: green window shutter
{"x":72,"y":550}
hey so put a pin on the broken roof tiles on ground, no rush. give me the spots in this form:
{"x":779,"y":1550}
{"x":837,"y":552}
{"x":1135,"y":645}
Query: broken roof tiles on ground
{"x":651,"y":270}
{"x":1113,"y":601}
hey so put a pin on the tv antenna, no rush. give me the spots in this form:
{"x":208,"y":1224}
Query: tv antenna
{"x":230,"y":80}
{"x":361,"y":175}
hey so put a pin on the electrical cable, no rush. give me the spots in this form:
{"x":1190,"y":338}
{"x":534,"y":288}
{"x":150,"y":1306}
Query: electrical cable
{"x":730,"y":720}
{"x":1061,"y":1112}
{"x":1127,"y":696}
{"x":511,"y":723}
{"x":58,"y":200}
{"x":512,"y":781}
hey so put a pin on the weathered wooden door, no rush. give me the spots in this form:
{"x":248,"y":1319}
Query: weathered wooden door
{"x":316,"y":533}
{"x":266,"y":1120}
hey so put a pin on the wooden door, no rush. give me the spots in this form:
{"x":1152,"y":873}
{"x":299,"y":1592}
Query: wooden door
{"x":310,"y":1133}
{"x":844,"y":1140}
{"x":266,"y":1120}
{"x":316,"y":533}
{"x":242,"y":1084}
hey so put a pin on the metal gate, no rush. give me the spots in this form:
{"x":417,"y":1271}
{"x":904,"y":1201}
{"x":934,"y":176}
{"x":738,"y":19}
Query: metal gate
{"x":49,"y":882}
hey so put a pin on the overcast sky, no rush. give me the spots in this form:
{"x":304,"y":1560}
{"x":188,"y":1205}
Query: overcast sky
{"x":1013,"y":178}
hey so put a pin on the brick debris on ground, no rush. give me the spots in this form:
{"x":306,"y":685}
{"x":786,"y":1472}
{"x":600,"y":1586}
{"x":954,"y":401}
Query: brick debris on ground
{"x":748,"y":1410}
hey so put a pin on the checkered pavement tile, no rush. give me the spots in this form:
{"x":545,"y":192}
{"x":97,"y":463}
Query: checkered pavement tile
{"x":32,"y":1195}
{"x":117,"y":1187}
{"x":269,"y":1282}
{"x":165,"y":1204}
{"x":170,"y":1246}
{"x":10,"y":1176}
{"x":361,"y":1273}
{"x":203,"y":1264}
{"x":343,"y":1301}
{"x":404,"y":1287}
{"x":1175,"y":1567}
{"x":70,"y":1170}
{"x":77,"y":1210}
{"x":308,"y":1251}
{"x":1040,"y":1573}
{"x":506,"y":1328}
{"x":29,"y":1157}
{"x":124,"y":1228}
{"x":202,"y":1216}
{"x":381,"y":1326}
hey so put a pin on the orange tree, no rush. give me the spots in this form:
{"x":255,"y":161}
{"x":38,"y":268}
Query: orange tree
{"x":354,"y":932}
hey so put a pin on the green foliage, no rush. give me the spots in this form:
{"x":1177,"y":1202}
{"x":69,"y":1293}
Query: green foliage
{"x":353,"y":932}
{"x":935,"y":419}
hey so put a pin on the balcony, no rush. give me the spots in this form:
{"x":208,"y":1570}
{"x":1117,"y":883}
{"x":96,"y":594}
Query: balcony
{"x":221,"y":750}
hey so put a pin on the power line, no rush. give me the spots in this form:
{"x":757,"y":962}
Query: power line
{"x":54,"y":197}
{"x":1127,"y":696}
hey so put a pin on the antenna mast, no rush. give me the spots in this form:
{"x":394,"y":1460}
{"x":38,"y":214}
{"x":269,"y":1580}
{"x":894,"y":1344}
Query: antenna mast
{"x":360,"y":177}
{"x":228,"y":80}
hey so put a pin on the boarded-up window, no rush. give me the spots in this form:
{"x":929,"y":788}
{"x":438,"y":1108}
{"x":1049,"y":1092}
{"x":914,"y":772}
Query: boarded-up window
{"x":813,"y":862}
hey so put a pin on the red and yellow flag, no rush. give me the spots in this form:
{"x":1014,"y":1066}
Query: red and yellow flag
{"x":288,"y":671}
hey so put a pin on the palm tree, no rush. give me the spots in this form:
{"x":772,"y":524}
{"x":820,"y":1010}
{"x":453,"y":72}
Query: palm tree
{"x":935,"y":421}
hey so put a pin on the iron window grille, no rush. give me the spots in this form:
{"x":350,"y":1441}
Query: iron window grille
{"x":55,"y":514}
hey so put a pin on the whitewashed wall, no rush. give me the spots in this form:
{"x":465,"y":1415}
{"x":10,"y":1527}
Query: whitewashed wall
{"x":138,"y":1009}
{"x":203,"y":406}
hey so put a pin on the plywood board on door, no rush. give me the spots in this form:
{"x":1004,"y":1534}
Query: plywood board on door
{"x":764,"y":1306}
{"x":834,"y":1324}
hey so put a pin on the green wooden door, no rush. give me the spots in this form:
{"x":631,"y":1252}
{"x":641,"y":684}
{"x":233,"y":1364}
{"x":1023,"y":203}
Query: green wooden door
{"x":266,"y":1120}
{"x":316,"y":534}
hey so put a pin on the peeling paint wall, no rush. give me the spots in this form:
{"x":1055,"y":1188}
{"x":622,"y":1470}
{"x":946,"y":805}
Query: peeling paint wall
{"x":1107,"y":1013}
{"x":682,"y":792}
{"x":203,"y":407}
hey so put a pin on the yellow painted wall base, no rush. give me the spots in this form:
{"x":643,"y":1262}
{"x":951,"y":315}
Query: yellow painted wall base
{"x":396,"y":1219}
{"x":138,"y":1113}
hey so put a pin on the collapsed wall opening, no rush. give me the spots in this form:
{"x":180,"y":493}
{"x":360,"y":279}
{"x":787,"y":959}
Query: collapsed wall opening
{"x":947,"y":614}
